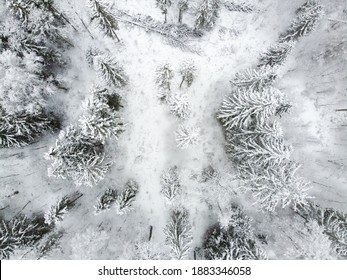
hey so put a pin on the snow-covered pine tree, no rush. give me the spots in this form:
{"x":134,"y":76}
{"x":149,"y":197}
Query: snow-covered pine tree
{"x":333,"y":221}
{"x":104,"y":17}
{"x":272,"y":186}
{"x":18,"y":232}
{"x":276,"y":55}
{"x":57,"y":212}
{"x":234,"y":241}
{"x":179,"y":105}
{"x":267,"y":130}
{"x":147,"y":250}
{"x":262,"y":151}
{"x":163,"y":5}
{"x":179,"y":234}
{"x":245,"y":108}
{"x":256,"y":79}
{"x":164,"y":76}
{"x":170,"y":184}
{"x":207,"y":174}
{"x":239,"y":6}
{"x":17,"y":130}
{"x":125,"y":199}
{"x":183,"y":6}
{"x":307,"y":18}
{"x":100,"y":120}
{"x":105,"y":201}
{"x":187,"y":71}
{"x":20,"y":8}
{"x":207,"y":14}
{"x":109,"y":69}
{"x":78,"y":157}
{"x":186,"y":136}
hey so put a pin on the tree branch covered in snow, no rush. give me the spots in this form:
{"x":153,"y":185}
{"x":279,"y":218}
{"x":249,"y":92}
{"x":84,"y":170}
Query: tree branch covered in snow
{"x":125,"y":199}
{"x":186,"y":136}
{"x":105,"y":201}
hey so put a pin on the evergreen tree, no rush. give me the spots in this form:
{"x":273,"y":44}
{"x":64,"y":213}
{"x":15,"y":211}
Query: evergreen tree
{"x":207,"y":14}
{"x":274,"y":185}
{"x":179,"y":105}
{"x":146,"y":250}
{"x":179,"y":234}
{"x":125,"y":199}
{"x":276,"y":55}
{"x":333,"y":221}
{"x":186,"y":136}
{"x":170,"y":185}
{"x":255,"y":79}
{"x":182,"y":7}
{"x":57,"y":212}
{"x":239,"y":7}
{"x":101,"y":121}
{"x":105,"y":201}
{"x":243,"y":109}
{"x":164,"y":76}
{"x":187,"y":72}
{"x":19,"y":232}
{"x":20,"y":8}
{"x":307,"y":18}
{"x":163,"y":5}
{"x":234,"y":241}
{"x":78,"y":157}
{"x":110,"y":70}
{"x":262,"y":151}
{"x":104,"y":17}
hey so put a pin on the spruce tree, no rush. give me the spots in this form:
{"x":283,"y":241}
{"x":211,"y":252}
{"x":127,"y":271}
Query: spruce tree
{"x":104,"y":18}
{"x":244,"y":109}
{"x":207,"y":14}
{"x":57,"y":212}
{"x":186,"y":136}
{"x":110,"y":71}
{"x":163,"y":5}
{"x":105,"y":201}
{"x":255,"y":79}
{"x":170,"y":185}
{"x":179,"y":234}
{"x":179,"y":105}
{"x":78,"y":157}
{"x":234,"y":241}
{"x":274,"y":185}
{"x":125,"y":199}
{"x":307,"y":18}
{"x":164,"y":76}
{"x":187,"y":71}
{"x":276,"y":55}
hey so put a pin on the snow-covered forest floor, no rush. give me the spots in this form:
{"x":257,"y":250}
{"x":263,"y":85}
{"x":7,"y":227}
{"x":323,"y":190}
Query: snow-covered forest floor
{"x":313,"y":80}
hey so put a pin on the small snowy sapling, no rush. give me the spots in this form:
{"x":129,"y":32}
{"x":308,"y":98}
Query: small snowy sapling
{"x":186,"y":136}
{"x":125,"y":199}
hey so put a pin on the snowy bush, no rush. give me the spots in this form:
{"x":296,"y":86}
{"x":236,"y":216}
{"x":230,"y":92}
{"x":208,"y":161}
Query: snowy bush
{"x":125,"y":199}
{"x":179,"y":105}
{"x":244,"y":108}
{"x":57,"y":212}
{"x":186,"y":136}
{"x":147,"y":250}
{"x":232,"y":242}
{"x":105,"y":201}
{"x":104,"y":17}
{"x":307,"y":18}
{"x":170,"y":184}
{"x":276,"y":55}
{"x":78,"y":157}
{"x":179,"y":234}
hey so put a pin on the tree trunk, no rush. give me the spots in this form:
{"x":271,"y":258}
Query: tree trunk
{"x":180,"y":16}
{"x":165,"y":17}
{"x":150,"y":233}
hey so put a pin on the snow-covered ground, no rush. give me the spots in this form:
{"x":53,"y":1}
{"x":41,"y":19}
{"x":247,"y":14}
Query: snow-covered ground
{"x":313,"y":79}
